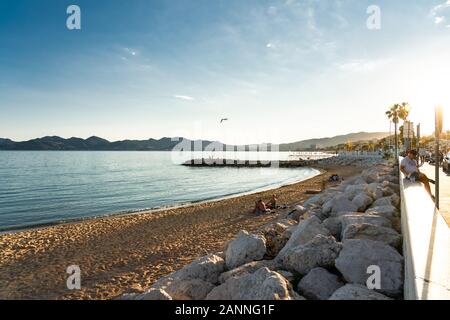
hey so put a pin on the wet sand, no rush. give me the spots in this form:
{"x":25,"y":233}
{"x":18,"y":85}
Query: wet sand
{"x":119,"y":254}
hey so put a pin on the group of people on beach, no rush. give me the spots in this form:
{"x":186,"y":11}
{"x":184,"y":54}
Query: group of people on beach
{"x":408,"y":166}
{"x":262,"y":208}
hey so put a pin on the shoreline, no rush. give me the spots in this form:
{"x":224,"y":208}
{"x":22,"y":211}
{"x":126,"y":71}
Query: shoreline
{"x":159,"y":209}
{"x":119,"y":253}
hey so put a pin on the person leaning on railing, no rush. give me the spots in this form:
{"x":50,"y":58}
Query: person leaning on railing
{"x":411,"y":170}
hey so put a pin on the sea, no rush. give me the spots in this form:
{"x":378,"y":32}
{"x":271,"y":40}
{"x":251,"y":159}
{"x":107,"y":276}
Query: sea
{"x":40,"y":188}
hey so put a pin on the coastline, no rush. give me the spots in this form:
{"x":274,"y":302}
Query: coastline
{"x":125,"y":251}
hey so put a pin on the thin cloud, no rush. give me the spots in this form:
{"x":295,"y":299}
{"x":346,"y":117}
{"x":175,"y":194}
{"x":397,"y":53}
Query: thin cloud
{"x":439,"y":20}
{"x":440,"y":12}
{"x":184,"y":98}
{"x":435,"y":10}
{"x":130,"y":51}
{"x":272,"y":10}
{"x":362,"y":65}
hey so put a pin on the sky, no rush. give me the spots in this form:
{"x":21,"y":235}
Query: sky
{"x":279,"y":70}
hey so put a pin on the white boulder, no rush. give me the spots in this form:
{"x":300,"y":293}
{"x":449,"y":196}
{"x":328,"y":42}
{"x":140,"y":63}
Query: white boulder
{"x":249,"y":267}
{"x":387,"y":211}
{"x":375,"y":190}
{"x":275,"y":238}
{"x":357,"y":255}
{"x":319,"y":252}
{"x":393,"y":200}
{"x":191,"y":289}
{"x":353,"y":190}
{"x":342,"y":203}
{"x":333,"y":224}
{"x":373,"y":232}
{"x":319,"y":284}
{"x":362,"y":201}
{"x":305,"y":231}
{"x":244,"y":248}
{"x":207,"y":268}
{"x":260,"y":285}
{"x":349,"y":219}
{"x":356,"y":292}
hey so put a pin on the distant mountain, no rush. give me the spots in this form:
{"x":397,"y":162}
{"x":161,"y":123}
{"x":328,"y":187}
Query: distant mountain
{"x":167,"y":144}
{"x":334,"y":141}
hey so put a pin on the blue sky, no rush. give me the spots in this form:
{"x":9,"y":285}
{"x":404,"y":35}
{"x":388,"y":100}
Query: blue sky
{"x":281,"y":71}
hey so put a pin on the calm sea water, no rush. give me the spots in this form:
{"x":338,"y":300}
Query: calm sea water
{"x":39,"y":187}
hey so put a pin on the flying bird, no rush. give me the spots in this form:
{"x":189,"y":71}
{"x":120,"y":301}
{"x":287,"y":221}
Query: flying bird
{"x":224,"y":119}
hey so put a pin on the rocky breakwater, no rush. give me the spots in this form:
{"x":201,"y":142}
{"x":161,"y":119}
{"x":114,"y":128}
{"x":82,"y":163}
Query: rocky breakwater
{"x":325,"y":249}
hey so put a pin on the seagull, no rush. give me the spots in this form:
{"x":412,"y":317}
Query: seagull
{"x":224,"y":119}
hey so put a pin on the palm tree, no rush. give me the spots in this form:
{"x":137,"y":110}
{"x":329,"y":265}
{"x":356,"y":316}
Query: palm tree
{"x":395,"y":113}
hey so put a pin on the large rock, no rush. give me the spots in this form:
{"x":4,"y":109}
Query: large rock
{"x":289,"y":231}
{"x":388,"y":178}
{"x":297,"y":213}
{"x":319,"y":284}
{"x":372,"y":174}
{"x":356,"y":292}
{"x":319,"y":252}
{"x":375,"y":190}
{"x":358,"y":254}
{"x":207,"y":268}
{"x":387,"y":211}
{"x":275,"y":237}
{"x":384,"y":201}
{"x":359,"y":218}
{"x":327,"y":206}
{"x":373,"y":232}
{"x":387,"y":192}
{"x":394,"y":187}
{"x":342,"y":203}
{"x":244,"y":248}
{"x":353,"y":190}
{"x":393,"y":200}
{"x":356,"y":180}
{"x":260,"y":285}
{"x":317,"y":200}
{"x":249,"y":267}
{"x":192,"y":281}
{"x":305,"y":231}
{"x":333,"y":224}
{"x":192,"y":289}
{"x":362,"y":201}
{"x":154,"y":294}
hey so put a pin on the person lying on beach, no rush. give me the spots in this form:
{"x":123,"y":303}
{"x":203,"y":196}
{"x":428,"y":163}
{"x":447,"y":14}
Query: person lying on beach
{"x":411,"y":171}
{"x":334,"y":178}
{"x":260,"y":208}
{"x":273,"y":202}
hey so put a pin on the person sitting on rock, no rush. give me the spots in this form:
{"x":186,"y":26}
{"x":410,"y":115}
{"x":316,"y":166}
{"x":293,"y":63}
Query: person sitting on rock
{"x":411,"y":171}
{"x":260,"y":208}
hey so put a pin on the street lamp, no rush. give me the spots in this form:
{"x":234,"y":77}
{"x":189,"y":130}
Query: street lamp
{"x":438,"y":130}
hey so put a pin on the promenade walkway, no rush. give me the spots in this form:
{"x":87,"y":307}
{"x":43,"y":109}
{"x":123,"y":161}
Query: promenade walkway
{"x":444,"y":193}
{"x":426,"y":245}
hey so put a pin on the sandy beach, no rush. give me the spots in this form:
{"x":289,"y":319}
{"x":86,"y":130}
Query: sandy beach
{"x":117,"y":253}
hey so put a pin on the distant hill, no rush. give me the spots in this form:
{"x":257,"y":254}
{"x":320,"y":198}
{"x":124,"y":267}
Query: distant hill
{"x":90,"y":144}
{"x":334,"y":141}
{"x":166,"y":144}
